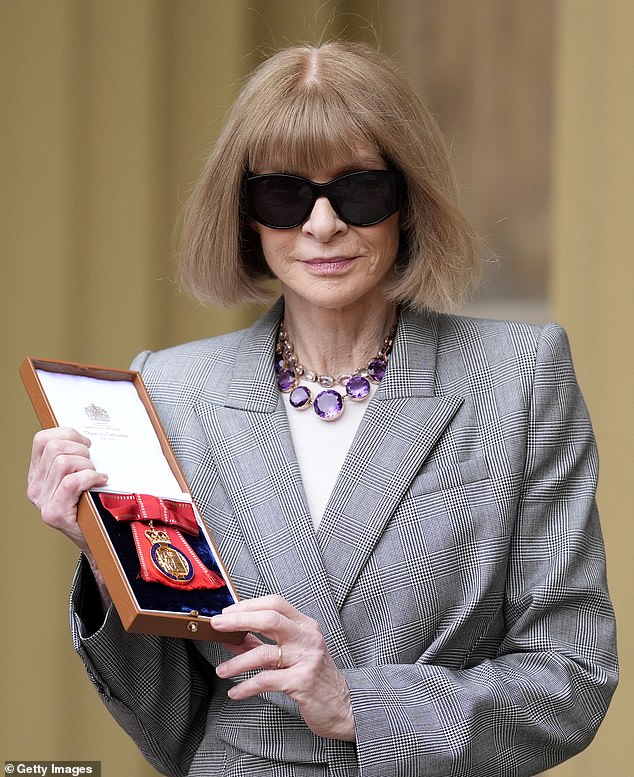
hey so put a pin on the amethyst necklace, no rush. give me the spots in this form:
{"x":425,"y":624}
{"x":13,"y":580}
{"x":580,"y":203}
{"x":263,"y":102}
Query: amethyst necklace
{"x":329,"y":403}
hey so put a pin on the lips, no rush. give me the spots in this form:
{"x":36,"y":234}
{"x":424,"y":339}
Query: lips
{"x":328,"y":264}
{"x":327,"y":259}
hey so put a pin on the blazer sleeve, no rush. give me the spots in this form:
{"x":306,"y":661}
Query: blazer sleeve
{"x":542,"y":698}
{"x":157,"y":689}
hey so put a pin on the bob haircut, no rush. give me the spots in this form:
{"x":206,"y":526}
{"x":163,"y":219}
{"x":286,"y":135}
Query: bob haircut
{"x":310,"y":107}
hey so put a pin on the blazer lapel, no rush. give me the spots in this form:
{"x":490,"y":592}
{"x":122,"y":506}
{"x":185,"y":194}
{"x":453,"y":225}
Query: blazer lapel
{"x":253,"y":452}
{"x":399,"y":429}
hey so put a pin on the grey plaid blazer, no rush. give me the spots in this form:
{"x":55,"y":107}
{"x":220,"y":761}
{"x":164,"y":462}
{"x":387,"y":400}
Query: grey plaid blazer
{"x":458,"y":573}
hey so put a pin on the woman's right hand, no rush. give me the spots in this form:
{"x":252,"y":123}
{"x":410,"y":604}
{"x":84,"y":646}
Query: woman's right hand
{"x":60,"y":471}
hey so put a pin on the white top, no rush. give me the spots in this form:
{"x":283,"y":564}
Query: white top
{"x":321,"y":446}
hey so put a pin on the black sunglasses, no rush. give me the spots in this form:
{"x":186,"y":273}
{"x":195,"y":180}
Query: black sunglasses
{"x":360,"y":199}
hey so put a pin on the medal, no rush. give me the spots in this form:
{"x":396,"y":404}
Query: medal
{"x":164,"y":554}
{"x":169,"y":561}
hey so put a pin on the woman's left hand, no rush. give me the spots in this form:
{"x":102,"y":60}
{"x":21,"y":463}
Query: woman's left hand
{"x":298,"y":665}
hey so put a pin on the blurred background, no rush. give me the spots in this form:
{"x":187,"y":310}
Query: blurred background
{"x":107,"y":111}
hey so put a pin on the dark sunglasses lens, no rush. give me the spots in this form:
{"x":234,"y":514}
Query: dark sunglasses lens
{"x":365,"y":198}
{"x":279,"y":201}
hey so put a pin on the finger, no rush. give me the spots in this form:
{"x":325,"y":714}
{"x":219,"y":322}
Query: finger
{"x":60,"y":471}
{"x":249,"y":642}
{"x":270,"y":623}
{"x":272,"y":602}
{"x":42,"y":438}
{"x":64,"y":462}
{"x":60,"y":512}
{"x":69,"y":490}
{"x":45,"y":482}
{"x":46,"y":453}
{"x":263,"y":682}
{"x":262,"y":657}
{"x":60,"y":448}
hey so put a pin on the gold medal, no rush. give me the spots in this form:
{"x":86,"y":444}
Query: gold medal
{"x":169,"y":560}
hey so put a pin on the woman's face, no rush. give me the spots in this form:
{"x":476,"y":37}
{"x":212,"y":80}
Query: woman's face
{"x":325,"y":262}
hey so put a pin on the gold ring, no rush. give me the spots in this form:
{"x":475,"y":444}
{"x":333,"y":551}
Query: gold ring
{"x":279,"y":664}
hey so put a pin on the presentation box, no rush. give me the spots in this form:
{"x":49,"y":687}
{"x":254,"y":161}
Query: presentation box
{"x":158,"y":561}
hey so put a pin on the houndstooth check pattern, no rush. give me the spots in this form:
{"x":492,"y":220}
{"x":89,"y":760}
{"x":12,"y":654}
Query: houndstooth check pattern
{"x":458,"y":573}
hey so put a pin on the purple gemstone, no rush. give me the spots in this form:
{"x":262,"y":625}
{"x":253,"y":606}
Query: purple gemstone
{"x":300,"y":397}
{"x":286,"y":380}
{"x":278,"y":364}
{"x":358,"y":388}
{"x":376,"y":370}
{"x":328,"y":404}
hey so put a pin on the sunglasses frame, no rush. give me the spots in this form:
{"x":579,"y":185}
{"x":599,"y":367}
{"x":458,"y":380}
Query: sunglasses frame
{"x":324,"y":190}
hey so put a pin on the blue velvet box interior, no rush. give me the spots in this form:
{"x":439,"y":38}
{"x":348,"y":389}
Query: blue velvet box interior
{"x":154,"y":596}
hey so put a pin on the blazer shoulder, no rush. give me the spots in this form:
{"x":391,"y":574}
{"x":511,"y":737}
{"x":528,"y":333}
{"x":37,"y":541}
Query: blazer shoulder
{"x":471,"y":348}
{"x":203,"y":369}
{"x":479,"y":328}
{"x":519,"y":336}
{"x":197,"y":368}
{"x":209,"y":349}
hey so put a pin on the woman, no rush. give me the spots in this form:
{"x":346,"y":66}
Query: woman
{"x":426,"y":571}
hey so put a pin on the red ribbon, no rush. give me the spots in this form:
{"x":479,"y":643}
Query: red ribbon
{"x":144,"y":507}
{"x":165,"y":556}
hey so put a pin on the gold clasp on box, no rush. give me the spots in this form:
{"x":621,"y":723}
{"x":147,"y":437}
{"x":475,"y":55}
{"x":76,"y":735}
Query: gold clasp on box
{"x":192,"y":626}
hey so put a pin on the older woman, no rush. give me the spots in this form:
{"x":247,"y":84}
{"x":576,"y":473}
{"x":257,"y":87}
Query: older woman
{"x":404,"y":498}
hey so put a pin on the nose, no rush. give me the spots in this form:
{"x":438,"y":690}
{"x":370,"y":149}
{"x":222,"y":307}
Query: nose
{"x":323,"y":223}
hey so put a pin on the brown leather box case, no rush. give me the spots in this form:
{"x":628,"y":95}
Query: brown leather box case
{"x":145,"y":607}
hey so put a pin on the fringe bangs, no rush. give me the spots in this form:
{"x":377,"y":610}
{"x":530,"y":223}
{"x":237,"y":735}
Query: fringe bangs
{"x":308,"y":132}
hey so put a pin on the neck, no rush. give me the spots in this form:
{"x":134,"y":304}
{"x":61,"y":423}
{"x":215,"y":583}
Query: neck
{"x":340,"y":340}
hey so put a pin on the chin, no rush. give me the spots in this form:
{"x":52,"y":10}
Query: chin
{"x":336,"y":296}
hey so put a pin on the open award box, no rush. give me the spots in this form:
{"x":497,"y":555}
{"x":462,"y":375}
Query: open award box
{"x":160,"y":565}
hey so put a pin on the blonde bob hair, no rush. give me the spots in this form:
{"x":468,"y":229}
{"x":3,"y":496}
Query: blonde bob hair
{"x":310,"y":107}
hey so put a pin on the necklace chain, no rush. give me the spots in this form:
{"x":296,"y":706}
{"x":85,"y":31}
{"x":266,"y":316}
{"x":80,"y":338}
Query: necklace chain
{"x":328,"y":404}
